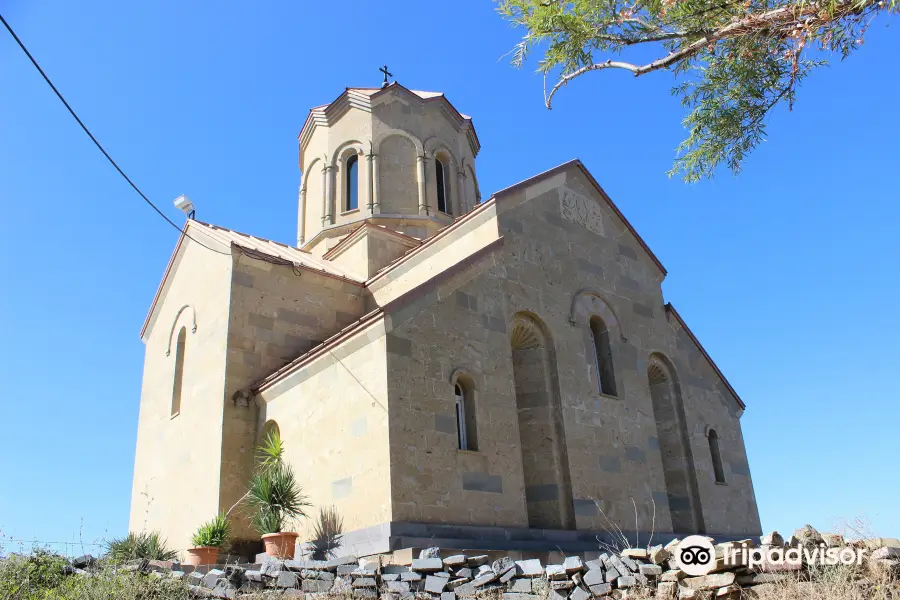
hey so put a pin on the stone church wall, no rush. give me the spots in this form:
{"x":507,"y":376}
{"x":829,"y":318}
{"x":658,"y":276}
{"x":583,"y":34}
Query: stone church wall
{"x":612,"y":443}
{"x":432,"y":480}
{"x":176,"y":472}
{"x":333,"y":416}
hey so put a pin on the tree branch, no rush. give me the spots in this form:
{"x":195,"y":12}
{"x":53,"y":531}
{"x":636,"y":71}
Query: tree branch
{"x":779,"y":17}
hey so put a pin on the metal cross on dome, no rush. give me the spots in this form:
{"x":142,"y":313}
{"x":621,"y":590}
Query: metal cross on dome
{"x":387,"y":74}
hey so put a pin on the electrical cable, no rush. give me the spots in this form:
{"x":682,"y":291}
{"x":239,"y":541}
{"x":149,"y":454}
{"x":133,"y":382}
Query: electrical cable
{"x":96,"y":143}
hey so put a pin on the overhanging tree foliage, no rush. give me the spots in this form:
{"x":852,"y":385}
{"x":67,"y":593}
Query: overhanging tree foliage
{"x":737,"y":59}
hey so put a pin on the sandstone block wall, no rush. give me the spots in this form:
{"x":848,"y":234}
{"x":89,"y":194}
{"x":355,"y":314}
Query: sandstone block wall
{"x":333,"y":417}
{"x":177,"y":459}
{"x":276,"y":314}
{"x":502,"y":302}
{"x":612,"y":443}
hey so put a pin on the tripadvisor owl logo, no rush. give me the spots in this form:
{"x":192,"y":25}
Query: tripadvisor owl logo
{"x":695,"y":555}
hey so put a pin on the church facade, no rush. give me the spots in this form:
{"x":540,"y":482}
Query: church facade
{"x":443,"y":369}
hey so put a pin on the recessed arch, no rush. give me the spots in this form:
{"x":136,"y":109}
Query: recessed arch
{"x":679,"y":471}
{"x":176,"y":320}
{"x":545,"y":463}
{"x":307,"y":172}
{"x":420,"y":148}
{"x":401,"y":179}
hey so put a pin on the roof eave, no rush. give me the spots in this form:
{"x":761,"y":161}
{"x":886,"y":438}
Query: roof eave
{"x":166,"y":274}
{"x":671,"y":309}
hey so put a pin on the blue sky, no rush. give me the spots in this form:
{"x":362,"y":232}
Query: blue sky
{"x":787,"y":273}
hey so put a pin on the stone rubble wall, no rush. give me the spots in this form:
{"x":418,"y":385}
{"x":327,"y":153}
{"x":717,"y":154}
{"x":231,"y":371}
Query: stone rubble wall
{"x":631,"y":573}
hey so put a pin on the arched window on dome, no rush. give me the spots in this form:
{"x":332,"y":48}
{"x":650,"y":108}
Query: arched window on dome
{"x":351,"y":183}
{"x":719,"y":472}
{"x":442,"y":194}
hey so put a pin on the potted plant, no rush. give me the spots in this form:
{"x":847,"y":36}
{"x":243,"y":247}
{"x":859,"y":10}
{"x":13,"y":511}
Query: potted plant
{"x":207,"y":540}
{"x":275,"y":498}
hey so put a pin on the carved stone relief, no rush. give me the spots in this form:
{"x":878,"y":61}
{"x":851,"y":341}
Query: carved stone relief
{"x":579,"y":209}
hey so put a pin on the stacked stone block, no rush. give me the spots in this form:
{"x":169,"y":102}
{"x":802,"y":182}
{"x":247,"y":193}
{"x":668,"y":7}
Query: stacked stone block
{"x":630,"y":573}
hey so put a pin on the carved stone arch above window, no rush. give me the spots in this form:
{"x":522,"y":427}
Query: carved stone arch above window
{"x":343,"y":152}
{"x":177,"y":320}
{"x":589,"y":302}
{"x":467,"y":376}
{"x":435,"y":147}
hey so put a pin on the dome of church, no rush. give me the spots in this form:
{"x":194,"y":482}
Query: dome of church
{"x":396,"y":158}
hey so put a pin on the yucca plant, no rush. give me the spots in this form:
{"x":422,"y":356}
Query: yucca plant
{"x":274,"y":495}
{"x":213,"y":533}
{"x":150,"y":545}
{"x":270,"y":453}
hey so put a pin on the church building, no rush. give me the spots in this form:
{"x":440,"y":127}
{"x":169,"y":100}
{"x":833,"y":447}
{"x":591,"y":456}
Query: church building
{"x":444,"y":369}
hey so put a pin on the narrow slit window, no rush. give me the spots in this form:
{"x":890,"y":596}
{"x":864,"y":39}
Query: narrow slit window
{"x":716,"y":456}
{"x":461,"y":418}
{"x":467,"y":436}
{"x":178,"y":380}
{"x":602,"y":357}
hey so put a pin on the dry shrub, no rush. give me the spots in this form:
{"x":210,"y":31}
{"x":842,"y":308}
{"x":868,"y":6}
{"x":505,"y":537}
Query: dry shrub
{"x":41,"y":576}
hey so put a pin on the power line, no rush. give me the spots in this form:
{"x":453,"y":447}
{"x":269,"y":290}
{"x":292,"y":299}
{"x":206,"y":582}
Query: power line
{"x":96,"y":143}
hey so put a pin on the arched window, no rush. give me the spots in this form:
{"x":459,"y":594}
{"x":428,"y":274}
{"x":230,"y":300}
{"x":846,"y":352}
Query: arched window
{"x":271,"y":427}
{"x":465,"y":417}
{"x":606,"y":379}
{"x":179,"y":372}
{"x":716,"y":456}
{"x":440,"y":178}
{"x":351,"y":183}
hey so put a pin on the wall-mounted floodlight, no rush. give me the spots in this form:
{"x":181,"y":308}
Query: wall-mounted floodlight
{"x":184,"y":204}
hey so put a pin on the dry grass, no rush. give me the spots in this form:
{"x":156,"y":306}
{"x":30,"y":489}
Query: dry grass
{"x":831,"y":583}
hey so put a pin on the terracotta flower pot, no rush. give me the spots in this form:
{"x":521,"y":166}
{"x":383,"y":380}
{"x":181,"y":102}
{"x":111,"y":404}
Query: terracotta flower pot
{"x":202,"y":555}
{"x":281,"y":544}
